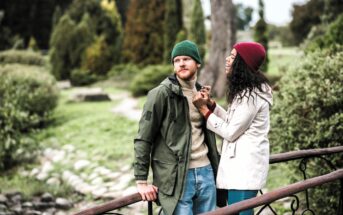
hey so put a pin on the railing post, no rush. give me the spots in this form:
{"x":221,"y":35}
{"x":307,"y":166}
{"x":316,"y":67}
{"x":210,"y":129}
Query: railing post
{"x":150,"y":207}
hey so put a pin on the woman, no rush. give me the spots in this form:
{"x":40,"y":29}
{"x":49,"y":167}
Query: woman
{"x":244,"y":127}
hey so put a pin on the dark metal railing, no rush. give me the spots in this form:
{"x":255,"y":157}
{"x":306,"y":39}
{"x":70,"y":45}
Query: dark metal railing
{"x":278,"y":193}
{"x":264,"y":199}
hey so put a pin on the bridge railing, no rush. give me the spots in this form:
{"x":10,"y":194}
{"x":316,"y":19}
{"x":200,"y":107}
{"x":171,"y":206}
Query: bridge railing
{"x":264,"y":199}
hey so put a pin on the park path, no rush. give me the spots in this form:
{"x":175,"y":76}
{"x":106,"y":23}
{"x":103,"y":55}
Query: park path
{"x":128,"y":106}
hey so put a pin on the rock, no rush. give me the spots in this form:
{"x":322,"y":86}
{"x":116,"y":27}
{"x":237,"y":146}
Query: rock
{"x":80,"y":164}
{"x":47,"y":197}
{"x":53,"y":181}
{"x":27,"y":205}
{"x":3,"y":207}
{"x":63,"y":203}
{"x":90,"y":94}
{"x":33,"y":212}
{"x":3,"y":199}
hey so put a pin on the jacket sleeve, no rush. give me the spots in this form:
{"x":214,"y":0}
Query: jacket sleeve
{"x":220,"y":112}
{"x":240,"y":120}
{"x":149,"y":125}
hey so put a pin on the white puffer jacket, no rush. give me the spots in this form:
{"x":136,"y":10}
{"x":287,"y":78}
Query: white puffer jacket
{"x":244,"y":128}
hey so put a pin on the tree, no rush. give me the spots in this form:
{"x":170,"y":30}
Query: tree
{"x":222,"y":40}
{"x":172,"y":26}
{"x":312,"y":14}
{"x":30,"y":20}
{"x":86,"y":21}
{"x":243,"y":16}
{"x":260,"y":33}
{"x":197,"y":31}
{"x":143,"y":41}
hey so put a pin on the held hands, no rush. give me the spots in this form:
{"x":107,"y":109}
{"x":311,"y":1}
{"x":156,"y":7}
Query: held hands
{"x":147,"y":191}
{"x":206,"y":92}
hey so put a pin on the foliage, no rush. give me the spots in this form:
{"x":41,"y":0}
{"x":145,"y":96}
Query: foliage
{"x":148,"y":78}
{"x":172,"y":26}
{"x":282,"y":34}
{"x":326,"y":36}
{"x":21,"y":57}
{"x":308,"y":113}
{"x":122,"y":72}
{"x":243,"y":16}
{"x":81,"y":77}
{"x":74,"y":35}
{"x":311,"y":14}
{"x":143,"y":43}
{"x":97,"y":59}
{"x":29,"y":20}
{"x":28,"y":95}
{"x":260,"y":33}
{"x":197,"y":31}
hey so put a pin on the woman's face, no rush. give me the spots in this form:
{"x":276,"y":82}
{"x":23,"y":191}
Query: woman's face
{"x":229,"y":61}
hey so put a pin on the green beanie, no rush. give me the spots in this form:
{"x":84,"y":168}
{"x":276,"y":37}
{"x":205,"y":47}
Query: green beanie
{"x":186,"y":48}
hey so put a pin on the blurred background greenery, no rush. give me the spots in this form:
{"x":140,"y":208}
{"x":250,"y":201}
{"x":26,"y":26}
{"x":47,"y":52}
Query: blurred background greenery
{"x":124,"y":47}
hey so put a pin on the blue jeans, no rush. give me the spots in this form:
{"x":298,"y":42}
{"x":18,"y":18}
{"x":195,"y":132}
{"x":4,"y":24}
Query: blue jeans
{"x":240,"y":195}
{"x":199,"y":193}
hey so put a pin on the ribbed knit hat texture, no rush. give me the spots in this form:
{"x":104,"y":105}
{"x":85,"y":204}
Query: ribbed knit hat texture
{"x":186,"y":48}
{"x":252,"y":53}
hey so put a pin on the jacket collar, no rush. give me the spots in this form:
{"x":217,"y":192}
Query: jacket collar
{"x":173,"y":84}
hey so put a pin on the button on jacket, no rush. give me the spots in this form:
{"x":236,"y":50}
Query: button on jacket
{"x":164,"y":141}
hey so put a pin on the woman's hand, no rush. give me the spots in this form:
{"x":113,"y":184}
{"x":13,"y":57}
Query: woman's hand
{"x":200,"y":101}
{"x":206,"y":92}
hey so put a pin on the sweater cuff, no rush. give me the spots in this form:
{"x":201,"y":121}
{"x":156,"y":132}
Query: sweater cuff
{"x":207,"y":114}
{"x":212,"y":107}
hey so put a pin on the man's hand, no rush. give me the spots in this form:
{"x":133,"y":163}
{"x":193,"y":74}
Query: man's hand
{"x":147,"y":191}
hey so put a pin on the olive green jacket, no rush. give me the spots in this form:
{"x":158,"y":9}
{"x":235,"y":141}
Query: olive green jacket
{"x":164,"y":141}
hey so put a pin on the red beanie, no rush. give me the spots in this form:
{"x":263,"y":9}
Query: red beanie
{"x":252,"y":53}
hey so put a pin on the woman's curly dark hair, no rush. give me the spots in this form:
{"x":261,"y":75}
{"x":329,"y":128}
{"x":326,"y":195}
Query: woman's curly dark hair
{"x":242,"y":80}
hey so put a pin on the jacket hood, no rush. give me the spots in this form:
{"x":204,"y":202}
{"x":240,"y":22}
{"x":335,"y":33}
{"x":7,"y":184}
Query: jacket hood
{"x":173,"y":84}
{"x":266,"y":93}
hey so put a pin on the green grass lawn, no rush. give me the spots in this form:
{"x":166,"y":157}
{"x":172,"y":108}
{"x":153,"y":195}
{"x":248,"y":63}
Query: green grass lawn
{"x":93,"y":129}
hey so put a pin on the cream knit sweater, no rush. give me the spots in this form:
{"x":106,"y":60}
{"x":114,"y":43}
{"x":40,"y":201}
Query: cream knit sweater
{"x":199,"y":148}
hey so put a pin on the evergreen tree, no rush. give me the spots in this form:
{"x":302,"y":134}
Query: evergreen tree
{"x":92,"y":19}
{"x":172,"y":26}
{"x":197,"y":31}
{"x":59,"y":52}
{"x":261,"y":34}
{"x":143,"y":41}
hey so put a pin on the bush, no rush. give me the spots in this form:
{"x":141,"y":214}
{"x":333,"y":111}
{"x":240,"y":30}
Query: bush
{"x":80,"y":77}
{"x":123,"y":72}
{"x":149,"y":78}
{"x":27,"y":96}
{"x":308,"y":114}
{"x":97,"y":58}
{"x":21,"y":57}
{"x":324,"y":36}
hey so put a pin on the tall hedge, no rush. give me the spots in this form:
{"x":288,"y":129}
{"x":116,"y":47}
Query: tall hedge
{"x":143,"y":40}
{"x":76,"y":32}
{"x":308,"y":114}
{"x":27,"y":96}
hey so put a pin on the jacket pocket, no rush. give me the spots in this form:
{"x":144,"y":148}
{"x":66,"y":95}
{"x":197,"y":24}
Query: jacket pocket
{"x":164,"y":176}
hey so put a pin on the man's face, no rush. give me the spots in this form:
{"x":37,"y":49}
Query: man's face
{"x":185,"y":67}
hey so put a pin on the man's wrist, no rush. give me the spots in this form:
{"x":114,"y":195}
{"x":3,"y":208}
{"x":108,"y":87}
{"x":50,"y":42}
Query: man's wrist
{"x":141,"y":182}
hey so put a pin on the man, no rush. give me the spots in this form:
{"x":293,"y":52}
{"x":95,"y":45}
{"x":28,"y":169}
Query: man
{"x":173,"y":138}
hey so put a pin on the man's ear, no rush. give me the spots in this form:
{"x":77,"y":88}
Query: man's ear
{"x":198,"y":65}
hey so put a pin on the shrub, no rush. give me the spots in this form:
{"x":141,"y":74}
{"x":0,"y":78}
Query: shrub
{"x":308,"y":113}
{"x":149,"y":78}
{"x":80,"y":77}
{"x":97,"y":58}
{"x":21,"y":57}
{"x":27,"y":96}
{"x":123,"y":71}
